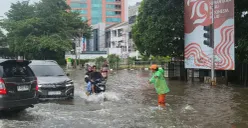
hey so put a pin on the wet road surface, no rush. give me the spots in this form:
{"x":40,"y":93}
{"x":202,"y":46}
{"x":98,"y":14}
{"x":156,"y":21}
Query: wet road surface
{"x":129,"y":102}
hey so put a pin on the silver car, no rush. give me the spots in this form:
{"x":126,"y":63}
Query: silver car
{"x":52,"y":80}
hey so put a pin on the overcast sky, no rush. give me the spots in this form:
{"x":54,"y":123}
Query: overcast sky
{"x":5,"y":4}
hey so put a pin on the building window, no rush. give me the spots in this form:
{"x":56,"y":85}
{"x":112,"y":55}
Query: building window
{"x":114,"y":33}
{"x":120,"y":32}
{"x":78,"y":5}
{"x":96,"y":20}
{"x":110,"y":6}
{"x":83,"y":12}
{"x":113,"y":13}
{"x":110,"y":13}
{"x":95,"y":39}
{"x":117,"y":6}
{"x":96,"y":14}
{"x":130,"y":35}
{"x":113,"y":20}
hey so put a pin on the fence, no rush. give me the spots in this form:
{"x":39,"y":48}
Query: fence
{"x":173,"y":69}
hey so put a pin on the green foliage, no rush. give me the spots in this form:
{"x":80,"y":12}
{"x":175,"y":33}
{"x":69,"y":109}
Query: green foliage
{"x":114,"y":61}
{"x":82,"y":61}
{"x":161,"y":58}
{"x":159,"y":29}
{"x":3,"y":39}
{"x":131,"y":60}
{"x":43,"y":30}
{"x":241,"y":31}
{"x":99,"y":61}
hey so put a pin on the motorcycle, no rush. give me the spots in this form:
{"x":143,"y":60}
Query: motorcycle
{"x":100,"y":85}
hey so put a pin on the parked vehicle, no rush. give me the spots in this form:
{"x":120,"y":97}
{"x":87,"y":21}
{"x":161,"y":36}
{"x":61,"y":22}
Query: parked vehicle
{"x":52,"y":80}
{"x":18,"y":85}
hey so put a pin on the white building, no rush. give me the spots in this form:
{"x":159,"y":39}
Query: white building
{"x":117,"y":39}
{"x":97,"y":41}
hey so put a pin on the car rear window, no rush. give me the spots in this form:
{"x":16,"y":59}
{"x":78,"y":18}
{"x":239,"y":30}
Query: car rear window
{"x":47,"y":70}
{"x":16,"y":70}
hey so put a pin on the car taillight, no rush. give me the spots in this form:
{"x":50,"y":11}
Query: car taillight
{"x":3,"y":90}
{"x":36,"y":83}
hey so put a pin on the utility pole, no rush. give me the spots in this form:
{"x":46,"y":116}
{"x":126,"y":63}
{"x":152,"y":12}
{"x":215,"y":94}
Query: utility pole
{"x":75,"y":60}
{"x":209,"y":35}
{"x":79,"y":41}
{"x":213,"y":82}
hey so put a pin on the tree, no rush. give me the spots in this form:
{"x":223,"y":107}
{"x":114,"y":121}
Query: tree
{"x":241,"y":32}
{"x":43,"y":30}
{"x":3,"y":39}
{"x":159,"y":29}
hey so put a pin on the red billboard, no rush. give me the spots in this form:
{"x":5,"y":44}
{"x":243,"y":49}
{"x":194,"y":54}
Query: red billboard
{"x":198,"y":16}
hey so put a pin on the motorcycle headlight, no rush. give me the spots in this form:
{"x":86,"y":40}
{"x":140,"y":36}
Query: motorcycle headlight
{"x":39,"y":85}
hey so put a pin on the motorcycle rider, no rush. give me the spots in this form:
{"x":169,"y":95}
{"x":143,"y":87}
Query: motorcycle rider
{"x":87,"y":80}
{"x":94,"y":76}
{"x":104,"y":70}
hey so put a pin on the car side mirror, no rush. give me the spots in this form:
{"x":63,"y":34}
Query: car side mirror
{"x":68,"y":74}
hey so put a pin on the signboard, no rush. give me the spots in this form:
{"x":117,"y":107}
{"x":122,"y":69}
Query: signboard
{"x":198,"y":17}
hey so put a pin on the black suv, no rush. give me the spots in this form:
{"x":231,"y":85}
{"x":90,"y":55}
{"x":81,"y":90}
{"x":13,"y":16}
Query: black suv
{"x":52,"y":81}
{"x":18,"y":85}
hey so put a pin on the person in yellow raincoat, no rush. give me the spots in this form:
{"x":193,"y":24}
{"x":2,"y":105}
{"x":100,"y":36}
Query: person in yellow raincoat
{"x":159,"y":83}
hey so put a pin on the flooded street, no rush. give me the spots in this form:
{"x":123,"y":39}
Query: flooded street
{"x":128,"y":103}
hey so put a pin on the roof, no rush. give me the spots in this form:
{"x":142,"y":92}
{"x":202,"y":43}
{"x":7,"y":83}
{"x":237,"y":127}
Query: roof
{"x":111,"y":25}
{"x":44,"y":62}
{"x":13,"y":60}
{"x":117,"y":25}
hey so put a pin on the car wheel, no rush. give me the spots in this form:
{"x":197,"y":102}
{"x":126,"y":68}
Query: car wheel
{"x":70,"y":97}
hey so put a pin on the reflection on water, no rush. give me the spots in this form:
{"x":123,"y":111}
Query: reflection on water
{"x":131,"y":102}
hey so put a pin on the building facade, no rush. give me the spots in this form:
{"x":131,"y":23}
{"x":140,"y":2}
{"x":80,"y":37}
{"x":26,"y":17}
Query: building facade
{"x":101,"y":11}
{"x":132,"y":14}
{"x":97,"y":42}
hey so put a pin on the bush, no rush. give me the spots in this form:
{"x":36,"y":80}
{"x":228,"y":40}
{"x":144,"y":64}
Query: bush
{"x":131,"y":60}
{"x":82,"y":61}
{"x":114,"y":61}
{"x":99,"y":61}
{"x":61,"y":62}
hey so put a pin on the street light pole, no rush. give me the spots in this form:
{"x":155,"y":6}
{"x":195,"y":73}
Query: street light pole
{"x":75,"y":60}
{"x":213,"y":82}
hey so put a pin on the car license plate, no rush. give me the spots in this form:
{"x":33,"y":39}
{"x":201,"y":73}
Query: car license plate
{"x":23,"y":88}
{"x":54,"y":93}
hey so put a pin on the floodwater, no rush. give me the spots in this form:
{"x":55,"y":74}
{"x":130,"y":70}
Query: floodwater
{"x":129,"y":102}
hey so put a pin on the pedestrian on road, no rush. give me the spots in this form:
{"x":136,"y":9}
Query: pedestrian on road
{"x":68,"y":62}
{"x":160,"y":84}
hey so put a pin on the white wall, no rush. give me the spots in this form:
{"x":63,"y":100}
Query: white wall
{"x":87,"y":56}
{"x":116,"y":51}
